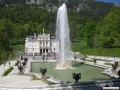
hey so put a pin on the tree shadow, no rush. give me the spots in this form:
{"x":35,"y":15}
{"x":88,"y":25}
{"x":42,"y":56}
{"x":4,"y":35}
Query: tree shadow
{"x":77,"y":64}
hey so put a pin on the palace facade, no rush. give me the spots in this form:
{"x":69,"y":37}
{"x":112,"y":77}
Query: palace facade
{"x":40,"y":43}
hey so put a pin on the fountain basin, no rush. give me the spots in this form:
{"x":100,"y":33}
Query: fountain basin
{"x":88,"y":72}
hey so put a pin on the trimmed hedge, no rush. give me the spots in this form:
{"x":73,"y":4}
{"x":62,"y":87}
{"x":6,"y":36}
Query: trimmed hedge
{"x":7,"y":71}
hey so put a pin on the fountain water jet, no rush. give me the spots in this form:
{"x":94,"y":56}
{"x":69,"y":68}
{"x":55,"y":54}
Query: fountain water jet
{"x":62,"y":36}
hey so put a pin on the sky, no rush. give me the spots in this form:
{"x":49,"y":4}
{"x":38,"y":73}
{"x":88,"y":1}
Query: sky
{"x":116,"y":2}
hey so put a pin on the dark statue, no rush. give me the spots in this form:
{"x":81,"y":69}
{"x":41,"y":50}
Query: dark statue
{"x":24,"y":63}
{"x":114,"y":67}
{"x":116,"y":63}
{"x":43,"y":71}
{"x":95,"y":60}
{"x":25,"y":59}
{"x":76,"y":76}
{"x":20,"y":68}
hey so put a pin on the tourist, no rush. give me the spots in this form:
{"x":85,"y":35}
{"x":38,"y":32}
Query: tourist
{"x":9,"y":63}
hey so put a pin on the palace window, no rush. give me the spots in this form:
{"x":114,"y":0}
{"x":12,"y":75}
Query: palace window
{"x":29,"y":45}
{"x":33,"y":44}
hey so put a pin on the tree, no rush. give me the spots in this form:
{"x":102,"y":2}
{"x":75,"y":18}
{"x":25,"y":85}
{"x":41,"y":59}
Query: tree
{"x":3,"y":56}
{"x":26,"y":27}
{"x":108,"y":33}
{"x":7,"y":27}
{"x":40,"y":28}
{"x":89,"y":32}
{"x":5,"y":36}
{"x":4,"y":42}
{"x":19,"y":32}
{"x":4,"y":39}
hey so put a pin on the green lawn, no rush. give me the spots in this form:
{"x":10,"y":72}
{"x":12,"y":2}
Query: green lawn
{"x":113,"y":52}
{"x":89,"y":73}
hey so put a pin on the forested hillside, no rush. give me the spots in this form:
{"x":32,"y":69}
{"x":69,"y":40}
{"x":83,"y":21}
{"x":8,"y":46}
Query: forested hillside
{"x":108,"y":30}
{"x":92,"y":24}
{"x":105,"y":33}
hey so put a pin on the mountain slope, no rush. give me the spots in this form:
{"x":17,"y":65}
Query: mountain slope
{"x":87,"y":8}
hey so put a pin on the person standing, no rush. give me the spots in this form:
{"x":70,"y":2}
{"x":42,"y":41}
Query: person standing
{"x":9,"y":63}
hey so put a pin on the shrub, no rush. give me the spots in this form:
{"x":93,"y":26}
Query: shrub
{"x":89,"y":60}
{"x":7,"y":71}
{"x":108,"y":63}
{"x":46,"y":81}
{"x":34,"y":77}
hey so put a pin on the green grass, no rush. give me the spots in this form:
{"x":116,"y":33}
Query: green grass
{"x":88,"y":72}
{"x":113,"y":52}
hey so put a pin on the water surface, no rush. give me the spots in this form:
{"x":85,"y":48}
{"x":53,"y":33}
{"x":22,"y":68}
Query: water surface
{"x":89,"y":73}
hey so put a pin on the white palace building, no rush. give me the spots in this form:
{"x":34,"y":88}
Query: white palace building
{"x":40,"y":44}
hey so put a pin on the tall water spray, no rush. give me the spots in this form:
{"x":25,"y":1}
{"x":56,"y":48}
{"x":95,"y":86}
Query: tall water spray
{"x":62,"y":36}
